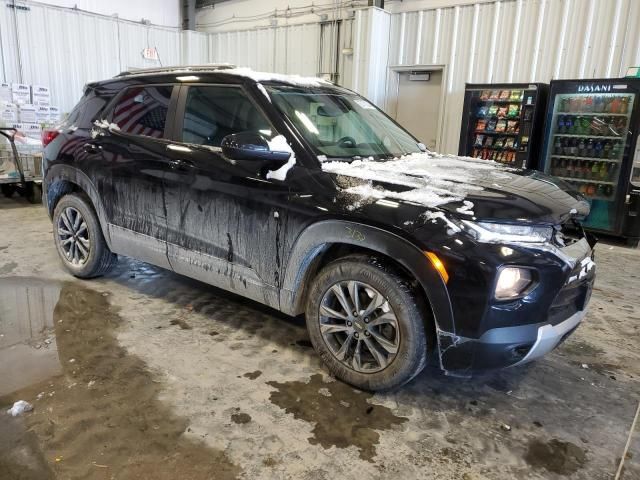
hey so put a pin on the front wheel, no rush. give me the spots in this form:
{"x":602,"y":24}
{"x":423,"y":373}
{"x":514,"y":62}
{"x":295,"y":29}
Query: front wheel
{"x":78,"y":238}
{"x":366,"y":323}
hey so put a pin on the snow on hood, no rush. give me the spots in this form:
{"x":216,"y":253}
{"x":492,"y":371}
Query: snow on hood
{"x":266,"y":77}
{"x":432,"y":179}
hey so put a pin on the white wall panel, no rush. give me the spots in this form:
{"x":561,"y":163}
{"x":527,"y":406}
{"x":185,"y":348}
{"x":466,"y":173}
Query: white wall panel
{"x":514,"y":41}
{"x":65,"y":49}
{"x":287,"y":49}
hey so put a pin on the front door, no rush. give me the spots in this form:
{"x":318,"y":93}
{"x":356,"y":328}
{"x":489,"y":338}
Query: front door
{"x":225,"y":220}
{"x":418,"y":105}
{"x":134,"y":150}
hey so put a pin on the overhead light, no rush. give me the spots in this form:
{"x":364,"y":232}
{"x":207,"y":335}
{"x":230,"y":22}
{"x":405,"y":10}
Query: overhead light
{"x":188,"y":78}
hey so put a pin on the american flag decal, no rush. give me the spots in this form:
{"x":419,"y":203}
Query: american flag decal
{"x":143,"y":111}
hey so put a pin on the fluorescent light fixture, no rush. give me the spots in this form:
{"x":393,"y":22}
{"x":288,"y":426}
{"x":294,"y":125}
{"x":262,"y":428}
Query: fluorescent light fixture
{"x":188,"y":78}
{"x":266,"y":133}
{"x":308,"y":124}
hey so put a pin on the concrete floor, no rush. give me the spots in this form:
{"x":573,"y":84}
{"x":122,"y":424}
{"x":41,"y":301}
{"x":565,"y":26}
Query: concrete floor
{"x":146,"y":374}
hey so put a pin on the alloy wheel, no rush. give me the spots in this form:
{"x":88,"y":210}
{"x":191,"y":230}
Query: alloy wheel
{"x":359,"y":326}
{"x":73,"y":235}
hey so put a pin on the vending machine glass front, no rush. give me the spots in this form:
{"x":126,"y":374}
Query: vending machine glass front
{"x":587,"y":145}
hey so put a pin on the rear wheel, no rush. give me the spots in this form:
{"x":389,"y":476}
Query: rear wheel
{"x":33,"y":192}
{"x":79,"y":240}
{"x":366,"y":323}
{"x":8,"y":190}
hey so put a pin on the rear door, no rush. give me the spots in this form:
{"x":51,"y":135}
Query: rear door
{"x":227,"y":221}
{"x":135,"y":149}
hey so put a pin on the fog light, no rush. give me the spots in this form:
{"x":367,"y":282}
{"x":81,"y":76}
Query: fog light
{"x":513,"y":282}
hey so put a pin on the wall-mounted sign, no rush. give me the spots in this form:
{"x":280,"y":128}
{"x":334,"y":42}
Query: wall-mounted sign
{"x":150,"y":53}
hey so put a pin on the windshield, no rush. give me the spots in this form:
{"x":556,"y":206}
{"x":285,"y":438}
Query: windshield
{"x":342,"y":124}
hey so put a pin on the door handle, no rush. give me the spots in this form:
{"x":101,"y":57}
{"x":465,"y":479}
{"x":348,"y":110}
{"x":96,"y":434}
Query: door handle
{"x":91,"y":148}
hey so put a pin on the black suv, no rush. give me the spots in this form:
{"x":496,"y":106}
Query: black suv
{"x":307,"y":198}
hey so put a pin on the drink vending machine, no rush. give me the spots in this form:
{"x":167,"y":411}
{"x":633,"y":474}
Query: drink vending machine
{"x":591,"y":142}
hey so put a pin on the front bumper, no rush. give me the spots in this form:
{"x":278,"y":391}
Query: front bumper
{"x":533,"y":330}
{"x":550,"y":336}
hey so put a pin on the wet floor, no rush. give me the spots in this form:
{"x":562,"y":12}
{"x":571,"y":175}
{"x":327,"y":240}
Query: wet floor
{"x":146,"y":374}
{"x":96,"y":409}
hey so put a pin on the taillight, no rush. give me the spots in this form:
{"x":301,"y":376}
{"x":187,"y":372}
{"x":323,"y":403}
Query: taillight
{"x":48,"y":136}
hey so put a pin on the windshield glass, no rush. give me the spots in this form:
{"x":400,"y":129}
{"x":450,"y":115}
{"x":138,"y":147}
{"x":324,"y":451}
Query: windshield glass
{"x":342,"y":124}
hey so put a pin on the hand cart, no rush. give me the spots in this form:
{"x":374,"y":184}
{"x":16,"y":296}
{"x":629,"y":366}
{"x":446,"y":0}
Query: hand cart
{"x":25,"y":177}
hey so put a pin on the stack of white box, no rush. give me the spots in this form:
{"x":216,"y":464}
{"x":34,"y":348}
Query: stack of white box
{"x":8,"y":109}
{"x":20,"y":93}
{"x":30,"y":109}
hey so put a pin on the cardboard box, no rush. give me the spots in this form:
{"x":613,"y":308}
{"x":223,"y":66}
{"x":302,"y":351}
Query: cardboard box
{"x":32,"y":130}
{"x":8,"y":112}
{"x":20,"y":93}
{"x":40,"y":95}
{"x":5,"y":92}
{"x":42,"y":114}
{"x":54,"y":114}
{"x":27,"y":113}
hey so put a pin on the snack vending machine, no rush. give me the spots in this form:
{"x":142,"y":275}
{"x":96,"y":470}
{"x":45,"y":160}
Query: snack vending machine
{"x":591,"y":142}
{"x":503,"y":122}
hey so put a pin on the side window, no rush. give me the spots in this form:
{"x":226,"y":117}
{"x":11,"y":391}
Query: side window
{"x":212,"y":113}
{"x":143,"y":110}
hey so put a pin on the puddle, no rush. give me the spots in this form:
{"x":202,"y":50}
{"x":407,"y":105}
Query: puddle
{"x":563,"y":458}
{"x":99,"y":415}
{"x":8,"y":268}
{"x":252,"y":375}
{"x":241,"y":418}
{"x":342,"y":415}
{"x":28,"y":349}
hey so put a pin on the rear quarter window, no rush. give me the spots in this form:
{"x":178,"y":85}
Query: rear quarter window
{"x":143,"y":110}
{"x":88,"y":109}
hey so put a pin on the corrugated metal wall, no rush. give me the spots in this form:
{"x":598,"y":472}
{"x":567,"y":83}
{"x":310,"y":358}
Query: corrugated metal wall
{"x":501,"y":41}
{"x":282,"y":49}
{"x":65,"y":49}
{"x":516,"y":41}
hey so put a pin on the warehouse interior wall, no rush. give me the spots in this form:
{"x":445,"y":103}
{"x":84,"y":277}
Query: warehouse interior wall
{"x":158,"y":12}
{"x":482,"y":41}
{"x":64,"y":48}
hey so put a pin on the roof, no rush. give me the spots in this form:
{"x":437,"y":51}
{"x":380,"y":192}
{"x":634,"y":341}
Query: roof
{"x":226,"y":69}
{"x":210,"y":67}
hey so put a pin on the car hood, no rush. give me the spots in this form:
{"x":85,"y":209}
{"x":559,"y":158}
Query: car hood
{"x":465,"y":187}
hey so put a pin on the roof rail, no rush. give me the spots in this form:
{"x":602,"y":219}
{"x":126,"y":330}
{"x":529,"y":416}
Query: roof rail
{"x":177,"y":69}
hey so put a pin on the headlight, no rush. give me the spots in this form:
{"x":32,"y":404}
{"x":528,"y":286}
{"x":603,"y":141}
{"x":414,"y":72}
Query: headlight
{"x":502,"y":232}
{"x":513,"y":282}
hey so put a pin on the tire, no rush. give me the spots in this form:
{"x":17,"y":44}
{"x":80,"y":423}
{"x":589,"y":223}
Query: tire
{"x":98,"y":259}
{"x":33,"y":192}
{"x":8,"y":190}
{"x":404,"y":346}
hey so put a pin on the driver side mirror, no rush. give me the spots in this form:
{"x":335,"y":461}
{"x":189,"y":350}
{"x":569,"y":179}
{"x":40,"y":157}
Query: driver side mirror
{"x":251,"y":146}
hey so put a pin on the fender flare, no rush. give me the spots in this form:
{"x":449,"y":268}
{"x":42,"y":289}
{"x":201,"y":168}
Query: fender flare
{"x":73,"y":175}
{"x":317,"y":237}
